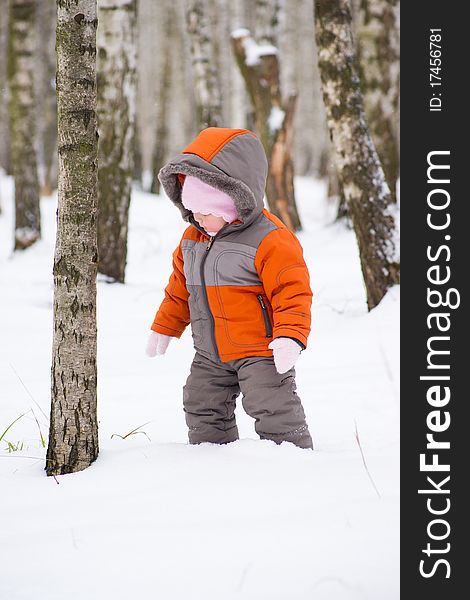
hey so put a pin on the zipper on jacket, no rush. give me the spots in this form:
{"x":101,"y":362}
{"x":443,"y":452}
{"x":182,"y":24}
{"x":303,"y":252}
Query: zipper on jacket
{"x":204,"y":291}
{"x":267,"y":322}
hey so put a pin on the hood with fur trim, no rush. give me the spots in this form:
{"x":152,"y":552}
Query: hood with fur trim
{"x":231,"y":160}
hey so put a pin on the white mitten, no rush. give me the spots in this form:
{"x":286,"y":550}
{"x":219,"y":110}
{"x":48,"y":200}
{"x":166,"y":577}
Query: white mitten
{"x":157,"y":343}
{"x":286,"y":352}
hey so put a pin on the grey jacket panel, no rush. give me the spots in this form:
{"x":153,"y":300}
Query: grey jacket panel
{"x":193,"y":253}
{"x":233,"y":265}
{"x":251,"y":236}
{"x":201,"y":324}
{"x":243,"y":158}
{"x":228,"y":263}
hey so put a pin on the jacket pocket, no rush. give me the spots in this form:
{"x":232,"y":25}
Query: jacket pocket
{"x":267,"y":322}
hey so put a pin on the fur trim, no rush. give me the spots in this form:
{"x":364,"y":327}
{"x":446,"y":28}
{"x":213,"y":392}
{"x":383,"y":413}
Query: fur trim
{"x":243,"y":198}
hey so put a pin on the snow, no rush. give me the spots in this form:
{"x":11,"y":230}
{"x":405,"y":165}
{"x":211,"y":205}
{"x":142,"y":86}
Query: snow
{"x":240,"y":32}
{"x":276,"y":118}
{"x":160,"y":518}
{"x":254,"y":51}
{"x":26,"y":235}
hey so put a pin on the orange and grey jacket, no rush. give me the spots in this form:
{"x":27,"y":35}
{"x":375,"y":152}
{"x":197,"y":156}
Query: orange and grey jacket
{"x":247,"y":284}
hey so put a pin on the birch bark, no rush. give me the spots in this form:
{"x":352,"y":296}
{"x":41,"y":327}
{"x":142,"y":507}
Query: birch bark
{"x":73,"y":433}
{"x":208,"y":97}
{"x":368,"y":196}
{"x":5,"y":159}
{"x":46,"y":105}
{"x":165,"y":78}
{"x":116,"y":80}
{"x":379,"y":61}
{"x":21,"y":46}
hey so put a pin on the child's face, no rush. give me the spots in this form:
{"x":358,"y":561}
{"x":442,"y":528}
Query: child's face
{"x":210,"y":222}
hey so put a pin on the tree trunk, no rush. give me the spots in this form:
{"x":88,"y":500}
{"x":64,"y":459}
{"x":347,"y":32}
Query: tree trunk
{"x":116,"y":122}
{"x":334,"y":191}
{"x":237,"y":95}
{"x":267,"y":21}
{"x":137,"y":171}
{"x":137,"y":166}
{"x":21,"y":48}
{"x":280,"y":184}
{"x":46,"y":109}
{"x":208,"y":99}
{"x":259,"y":66}
{"x":379,"y":60}
{"x":160,"y":148}
{"x":359,"y":169}
{"x":73,"y":435}
{"x":5,"y":157}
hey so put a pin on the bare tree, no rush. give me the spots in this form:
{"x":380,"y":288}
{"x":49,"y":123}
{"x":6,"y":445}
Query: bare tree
{"x":236,"y":95}
{"x":73,"y":434}
{"x":165,"y":80}
{"x":300,"y":72}
{"x":267,"y":21}
{"x":137,"y":174}
{"x":379,"y":61}
{"x":206,"y":80}
{"x":360,"y":172}
{"x":116,"y":123}
{"x":22,"y":122}
{"x":5,"y":159}
{"x":259,"y":66}
{"x":46,"y":105}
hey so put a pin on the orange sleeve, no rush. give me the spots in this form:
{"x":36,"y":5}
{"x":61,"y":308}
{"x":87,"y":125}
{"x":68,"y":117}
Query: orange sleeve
{"x":173,"y":315}
{"x":281,"y":267}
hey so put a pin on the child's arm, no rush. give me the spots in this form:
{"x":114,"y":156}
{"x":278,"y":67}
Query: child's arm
{"x":281,"y":267}
{"x":173,"y":315}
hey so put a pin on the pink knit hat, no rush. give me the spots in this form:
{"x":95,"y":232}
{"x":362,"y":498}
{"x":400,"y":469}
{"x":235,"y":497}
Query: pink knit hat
{"x":199,"y":197}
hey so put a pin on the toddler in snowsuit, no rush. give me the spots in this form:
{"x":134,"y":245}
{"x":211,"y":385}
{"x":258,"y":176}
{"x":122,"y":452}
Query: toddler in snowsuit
{"x":240,"y":279}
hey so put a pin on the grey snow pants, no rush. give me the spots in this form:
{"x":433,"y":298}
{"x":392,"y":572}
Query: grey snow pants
{"x":211,"y":391}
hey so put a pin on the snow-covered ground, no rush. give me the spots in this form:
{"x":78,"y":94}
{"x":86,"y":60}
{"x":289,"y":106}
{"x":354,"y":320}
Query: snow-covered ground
{"x":156,"y":518}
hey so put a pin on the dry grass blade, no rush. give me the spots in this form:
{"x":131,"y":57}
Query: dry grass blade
{"x":364,"y":461}
{"x":25,"y":456}
{"x":43,"y":441}
{"x":28,"y":392}
{"x":12,"y":423}
{"x":133,"y":432}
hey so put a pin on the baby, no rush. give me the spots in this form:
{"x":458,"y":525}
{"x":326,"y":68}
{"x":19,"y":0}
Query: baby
{"x":240,"y":280}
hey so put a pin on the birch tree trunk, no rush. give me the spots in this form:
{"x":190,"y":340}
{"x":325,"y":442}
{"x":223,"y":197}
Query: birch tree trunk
{"x":259,"y":66}
{"x":360,"y":172}
{"x":237,"y":94}
{"x":379,"y":60}
{"x":116,"y":123}
{"x":73,"y":434}
{"x":224,"y":64}
{"x":5,"y":159}
{"x":208,"y":98}
{"x":21,"y":46}
{"x":137,"y":171}
{"x":298,"y":72}
{"x":46,"y":105}
{"x":267,"y":21}
{"x":165,"y":81}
